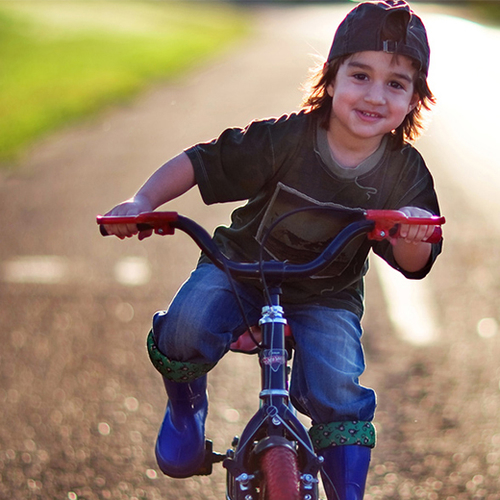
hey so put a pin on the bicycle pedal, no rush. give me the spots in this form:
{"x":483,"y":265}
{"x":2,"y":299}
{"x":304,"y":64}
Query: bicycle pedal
{"x":211,"y":457}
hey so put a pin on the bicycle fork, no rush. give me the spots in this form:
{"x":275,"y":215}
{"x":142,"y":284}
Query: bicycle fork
{"x":275,"y":423}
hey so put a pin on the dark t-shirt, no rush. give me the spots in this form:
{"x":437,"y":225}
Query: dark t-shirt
{"x":278,"y":165}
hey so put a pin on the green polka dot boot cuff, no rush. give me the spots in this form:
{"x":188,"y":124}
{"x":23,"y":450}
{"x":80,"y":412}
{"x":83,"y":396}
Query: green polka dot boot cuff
{"x":177,"y":371}
{"x":354,"y":432}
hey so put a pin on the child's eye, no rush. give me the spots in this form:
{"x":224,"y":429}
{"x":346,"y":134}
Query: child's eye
{"x":360,"y":76}
{"x":396,"y":85}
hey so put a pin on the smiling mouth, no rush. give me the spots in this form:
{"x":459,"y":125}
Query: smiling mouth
{"x":367,"y":114}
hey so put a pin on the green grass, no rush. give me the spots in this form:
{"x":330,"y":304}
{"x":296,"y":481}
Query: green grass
{"x":488,"y":11}
{"x":63,"y":60}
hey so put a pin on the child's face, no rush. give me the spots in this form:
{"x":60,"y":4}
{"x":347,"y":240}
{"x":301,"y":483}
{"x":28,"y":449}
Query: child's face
{"x":371,"y":95}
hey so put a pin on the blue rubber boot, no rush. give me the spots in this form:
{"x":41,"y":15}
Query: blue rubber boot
{"x":180,"y":447}
{"x":344,"y":471}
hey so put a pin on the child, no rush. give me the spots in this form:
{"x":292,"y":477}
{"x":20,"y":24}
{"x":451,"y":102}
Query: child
{"x":347,"y":146}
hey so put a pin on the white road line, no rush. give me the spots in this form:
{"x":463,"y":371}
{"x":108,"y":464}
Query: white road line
{"x":52,"y":269}
{"x":132,"y":271}
{"x":44,"y":269}
{"x":467,"y":132}
{"x":409,"y":305}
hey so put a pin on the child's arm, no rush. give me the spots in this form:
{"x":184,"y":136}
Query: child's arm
{"x":411,"y":251}
{"x":168,"y":182}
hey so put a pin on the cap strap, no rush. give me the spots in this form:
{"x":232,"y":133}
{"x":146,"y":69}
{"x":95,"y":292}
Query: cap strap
{"x":390,"y":46}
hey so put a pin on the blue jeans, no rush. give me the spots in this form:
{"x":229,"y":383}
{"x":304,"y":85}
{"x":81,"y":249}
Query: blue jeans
{"x":204,"y":319}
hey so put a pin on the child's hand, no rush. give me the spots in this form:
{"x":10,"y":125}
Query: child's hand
{"x":131,"y":207}
{"x":415,"y":234}
{"x":412,"y":251}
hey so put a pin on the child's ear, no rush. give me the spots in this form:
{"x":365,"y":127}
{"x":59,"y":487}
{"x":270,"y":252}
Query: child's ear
{"x":414,"y":102}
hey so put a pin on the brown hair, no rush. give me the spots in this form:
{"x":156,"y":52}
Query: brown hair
{"x":317,"y":99}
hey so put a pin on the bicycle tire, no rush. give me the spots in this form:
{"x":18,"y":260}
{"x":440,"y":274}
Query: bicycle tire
{"x":280,"y":473}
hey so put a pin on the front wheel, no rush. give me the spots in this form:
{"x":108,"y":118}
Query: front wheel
{"x":280,"y":474}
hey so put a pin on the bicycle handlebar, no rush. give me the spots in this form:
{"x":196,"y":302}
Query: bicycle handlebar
{"x":376,"y":224}
{"x":387,"y":224}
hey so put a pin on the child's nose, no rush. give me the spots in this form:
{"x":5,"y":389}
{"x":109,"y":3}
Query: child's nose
{"x":375,"y":95}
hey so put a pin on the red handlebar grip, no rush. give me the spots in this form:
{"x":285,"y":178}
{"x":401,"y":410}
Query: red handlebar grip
{"x":436,"y":236}
{"x":157,"y":221}
{"x":140,"y":227}
{"x":387,"y":224}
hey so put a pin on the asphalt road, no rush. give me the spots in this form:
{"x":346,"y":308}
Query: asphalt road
{"x":80,"y":402}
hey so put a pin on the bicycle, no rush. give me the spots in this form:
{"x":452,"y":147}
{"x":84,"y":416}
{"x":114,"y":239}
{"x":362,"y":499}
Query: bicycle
{"x":274,"y":458}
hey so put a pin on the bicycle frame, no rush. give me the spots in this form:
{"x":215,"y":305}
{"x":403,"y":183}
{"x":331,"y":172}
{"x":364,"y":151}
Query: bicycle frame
{"x":275,"y":424}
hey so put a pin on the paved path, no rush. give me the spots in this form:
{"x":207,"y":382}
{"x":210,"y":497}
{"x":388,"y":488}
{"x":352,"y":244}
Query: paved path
{"x":80,"y":401}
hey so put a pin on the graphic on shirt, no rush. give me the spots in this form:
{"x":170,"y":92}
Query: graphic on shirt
{"x":301,"y":237}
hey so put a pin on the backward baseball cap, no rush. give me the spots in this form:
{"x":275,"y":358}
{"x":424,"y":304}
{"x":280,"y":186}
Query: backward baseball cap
{"x":361,"y":30}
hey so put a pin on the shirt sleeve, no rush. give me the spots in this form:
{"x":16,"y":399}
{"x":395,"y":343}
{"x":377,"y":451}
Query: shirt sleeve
{"x":235,"y":165}
{"x":242,"y":161}
{"x":414,"y":187}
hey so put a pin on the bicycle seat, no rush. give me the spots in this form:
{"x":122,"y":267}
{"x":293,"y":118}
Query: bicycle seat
{"x":246,"y":345}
